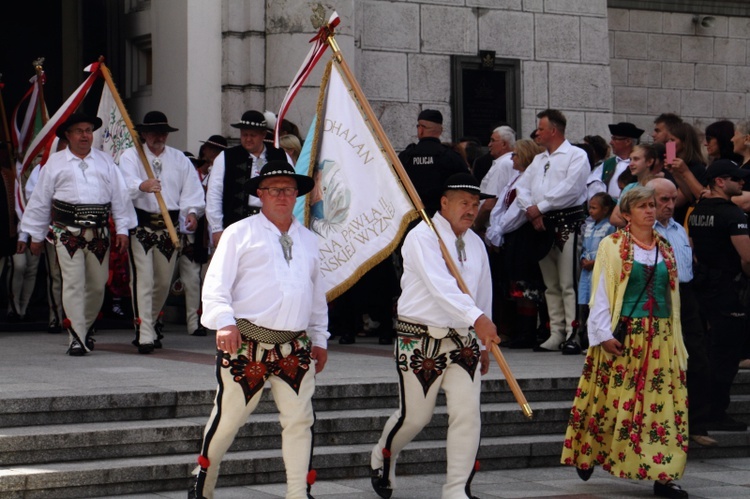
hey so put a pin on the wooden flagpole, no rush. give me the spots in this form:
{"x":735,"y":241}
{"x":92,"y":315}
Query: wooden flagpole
{"x":141,"y":153}
{"x":419,"y":206}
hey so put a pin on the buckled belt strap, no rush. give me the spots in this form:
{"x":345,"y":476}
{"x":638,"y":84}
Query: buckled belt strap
{"x":260,"y":334}
{"x":80,"y":215}
{"x":410,"y":329}
{"x":155,"y":221}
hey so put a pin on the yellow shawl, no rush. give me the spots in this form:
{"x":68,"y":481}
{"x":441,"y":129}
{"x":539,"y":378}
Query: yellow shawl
{"x":615,"y":259}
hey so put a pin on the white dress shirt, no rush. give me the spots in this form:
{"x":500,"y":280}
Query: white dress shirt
{"x":215,"y":191}
{"x":505,"y":217}
{"x":555,"y":181}
{"x":249,"y":278}
{"x":614,"y":188}
{"x":181,"y":188}
{"x":63,"y":179}
{"x":498,"y":176}
{"x":430,"y":294}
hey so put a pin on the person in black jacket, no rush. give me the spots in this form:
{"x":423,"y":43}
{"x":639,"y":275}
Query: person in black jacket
{"x":429,"y":163}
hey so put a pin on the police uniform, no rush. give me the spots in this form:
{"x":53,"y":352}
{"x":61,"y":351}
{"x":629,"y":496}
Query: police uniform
{"x":429,"y":163}
{"x":718,"y":282}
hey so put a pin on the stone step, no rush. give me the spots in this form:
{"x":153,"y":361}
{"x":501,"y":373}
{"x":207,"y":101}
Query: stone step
{"x":109,"y":440}
{"x":140,"y":405}
{"x":111,"y":477}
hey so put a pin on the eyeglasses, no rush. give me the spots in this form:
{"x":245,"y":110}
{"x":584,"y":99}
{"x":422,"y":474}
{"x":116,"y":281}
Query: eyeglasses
{"x":81,"y":131}
{"x":275,"y":192}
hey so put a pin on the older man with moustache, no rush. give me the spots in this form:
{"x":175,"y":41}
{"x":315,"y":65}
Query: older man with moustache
{"x":443,"y":334}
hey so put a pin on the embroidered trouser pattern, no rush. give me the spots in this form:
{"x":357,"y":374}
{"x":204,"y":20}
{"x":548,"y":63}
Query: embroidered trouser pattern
{"x":84,"y":270}
{"x":152,"y":263}
{"x":288,"y":369}
{"x":425,"y":365}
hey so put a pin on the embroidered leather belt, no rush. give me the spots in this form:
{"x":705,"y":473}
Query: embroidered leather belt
{"x":260,"y":334}
{"x":567,"y":217}
{"x":80,"y":215}
{"x":410,"y":329}
{"x":155,"y":221}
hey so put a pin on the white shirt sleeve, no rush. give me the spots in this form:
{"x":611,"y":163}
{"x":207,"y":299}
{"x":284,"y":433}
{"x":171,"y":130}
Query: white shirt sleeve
{"x":214,"y":195}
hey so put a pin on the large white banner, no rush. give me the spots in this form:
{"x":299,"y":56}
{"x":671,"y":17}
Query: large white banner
{"x":113,"y":137}
{"x":358,"y":208}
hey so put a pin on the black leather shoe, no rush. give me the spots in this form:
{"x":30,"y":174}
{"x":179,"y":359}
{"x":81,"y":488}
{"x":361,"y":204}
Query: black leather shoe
{"x":54,"y":327}
{"x":200,"y":331}
{"x":90,"y":343}
{"x":13,"y":317}
{"x":669,"y":489}
{"x":380,"y":485}
{"x":346,"y":340}
{"x":146,"y":348}
{"x":76,"y":350}
{"x":585,"y":474}
{"x":570,"y":347}
{"x":193,"y":494}
{"x":157,"y":343}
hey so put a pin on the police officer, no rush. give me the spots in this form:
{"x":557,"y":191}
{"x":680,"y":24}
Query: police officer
{"x":429,"y":163}
{"x":718,"y":229}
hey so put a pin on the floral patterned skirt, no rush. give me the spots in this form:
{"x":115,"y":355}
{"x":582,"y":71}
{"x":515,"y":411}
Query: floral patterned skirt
{"x":629,"y":415}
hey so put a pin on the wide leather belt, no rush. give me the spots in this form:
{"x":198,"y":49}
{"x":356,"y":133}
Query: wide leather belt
{"x":405,"y":328}
{"x":260,"y":334}
{"x":155,"y":221}
{"x":80,"y":215}
{"x":567,"y":217}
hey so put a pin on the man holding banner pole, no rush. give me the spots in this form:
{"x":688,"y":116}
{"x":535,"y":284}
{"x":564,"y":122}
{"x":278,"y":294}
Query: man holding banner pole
{"x":438,"y":331}
{"x":152,"y":252}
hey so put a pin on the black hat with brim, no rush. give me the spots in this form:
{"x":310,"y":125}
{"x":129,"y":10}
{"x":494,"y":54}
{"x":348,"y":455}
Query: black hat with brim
{"x":726,"y":168}
{"x":280,"y":168}
{"x":218,"y":141}
{"x":465,"y":182}
{"x":155,"y":121}
{"x":251,"y":120}
{"x":196,"y":161}
{"x":74,"y":119}
{"x":625,"y":129}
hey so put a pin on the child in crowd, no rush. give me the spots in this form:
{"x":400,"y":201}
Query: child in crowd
{"x":597,"y":227}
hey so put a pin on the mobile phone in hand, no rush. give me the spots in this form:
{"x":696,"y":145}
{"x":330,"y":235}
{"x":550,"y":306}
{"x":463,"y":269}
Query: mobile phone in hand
{"x":671,"y":152}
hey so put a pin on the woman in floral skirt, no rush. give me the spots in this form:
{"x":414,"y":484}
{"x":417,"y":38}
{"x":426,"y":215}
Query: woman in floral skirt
{"x":629,"y":415}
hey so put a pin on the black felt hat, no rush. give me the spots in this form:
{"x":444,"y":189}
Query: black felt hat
{"x":251,"y":120}
{"x":217,"y":141}
{"x":279,"y":168}
{"x":625,"y":129}
{"x":432,"y":115}
{"x":196,"y":161}
{"x":74,"y":119}
{"x":465,"y":182}
{"x":155,"y":121}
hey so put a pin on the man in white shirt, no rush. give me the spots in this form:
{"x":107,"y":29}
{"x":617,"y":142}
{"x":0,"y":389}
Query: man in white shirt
{"x":227,"y":197}
{"x":624,"y":138}
{"x":152,"y":253}
{"x":78,"y":189}
{"x":441,"y":331}
{"x":264,"y":295}
{"x":552,"y":192}
{"x":502,"y":141}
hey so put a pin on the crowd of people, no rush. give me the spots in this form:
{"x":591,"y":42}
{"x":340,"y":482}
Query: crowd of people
{"x":635,"y":254}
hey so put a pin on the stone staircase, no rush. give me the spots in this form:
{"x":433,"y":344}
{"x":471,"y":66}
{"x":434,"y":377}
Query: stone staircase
{"x":127,"y":443}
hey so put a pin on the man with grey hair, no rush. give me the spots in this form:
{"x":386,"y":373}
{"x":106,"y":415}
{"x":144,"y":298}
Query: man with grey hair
{"x":502,"y":141}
